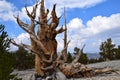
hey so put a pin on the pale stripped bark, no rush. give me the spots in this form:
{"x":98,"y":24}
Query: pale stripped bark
{"x":65,"y":37}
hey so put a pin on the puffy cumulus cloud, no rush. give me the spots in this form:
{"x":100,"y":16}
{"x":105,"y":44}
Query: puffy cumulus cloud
{"x":101,"y":28}
{"x":22,"y":38}
{"x":80,"y":34}
{"x":74,"y":26}
{"x":5,"y":6}
{"x":101,"y":24}
{"x":75,"y":23}
{"x":6,"y":10}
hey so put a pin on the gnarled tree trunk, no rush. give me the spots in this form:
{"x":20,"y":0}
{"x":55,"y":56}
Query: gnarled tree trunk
{"x":43,"y":43}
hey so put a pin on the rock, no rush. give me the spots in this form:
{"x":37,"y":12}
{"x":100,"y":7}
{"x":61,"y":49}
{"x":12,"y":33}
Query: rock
{"x":55,"y":76}
{"x":29,"y":74}
{"x":60,"y":76}
{"x":25,"y":75}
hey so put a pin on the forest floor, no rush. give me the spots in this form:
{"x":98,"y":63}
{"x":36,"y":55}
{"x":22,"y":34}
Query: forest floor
{"x":115,"y":65}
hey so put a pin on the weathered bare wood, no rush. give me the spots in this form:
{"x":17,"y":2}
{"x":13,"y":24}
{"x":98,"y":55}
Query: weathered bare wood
{"x":55,"y":19}
{"x":65,"y":37}
{"x":48,"y":60}
{"x":79,"y":54}
{"x":60,"y":30}
{"x":40,"y":45}
{"x":62,"y":52}
{"x":99,"y":71}
{"x":24,"y":46}
{"x":32,"y":35}
{"x":47,"y":68}
{"x":21,"y":23}
{"x":58,"y":61}
{"x":76,"y":70}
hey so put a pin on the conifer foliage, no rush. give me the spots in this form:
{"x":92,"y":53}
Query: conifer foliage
{"x":6,"y":59}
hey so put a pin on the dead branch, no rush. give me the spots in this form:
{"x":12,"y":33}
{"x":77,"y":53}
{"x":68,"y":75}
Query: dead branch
{"x":33,"y":50}
{"x":32,"y":35}
{"x":43,"y":14}
{"x":47,"y":68}
{"x":34,"y":38}
{"x":78,"y":55}
{"x":24,"y":26}
{"x":14,"y":43}
{"x":55,"y":19}
{"x":61,"y":53}
{"x":24,"y":46}
{"x":48,"y":60}
{"x":60,"y":30}
{"x":28,"y":13}
{"x":65,"y":37}
{"x":21,"y":23}
{"x":105,"y":70}
{"x":32,"y":15}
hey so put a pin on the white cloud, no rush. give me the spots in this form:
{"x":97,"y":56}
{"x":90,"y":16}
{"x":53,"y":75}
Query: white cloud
{"x":75,"y":23}
{"x":100,"y":23}
{"x":5,"y":6}
{"x":22,"y":38}
{"x":79,"y":33}
{"x":71,"y":4}
{"x":7,"y":9}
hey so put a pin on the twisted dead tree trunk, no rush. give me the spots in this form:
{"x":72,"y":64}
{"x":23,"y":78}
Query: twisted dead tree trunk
{"x":44,"y":45}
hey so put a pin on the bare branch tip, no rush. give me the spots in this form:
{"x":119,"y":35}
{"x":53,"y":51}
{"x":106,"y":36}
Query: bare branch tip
{"x":16,"y":16}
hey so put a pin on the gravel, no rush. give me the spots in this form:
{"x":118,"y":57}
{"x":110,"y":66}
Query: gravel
{"x":28,"y":74}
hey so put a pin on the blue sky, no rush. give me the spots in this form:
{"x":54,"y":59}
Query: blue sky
{"x":89,"y":22}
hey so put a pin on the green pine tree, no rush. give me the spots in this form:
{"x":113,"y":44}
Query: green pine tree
{"x":107,"y":50}
{"x":6,"y":59}
{"x":83,"y":58}
{"x":70,"y":58}
{"x":117,"y":52}
{"x":24,"y":60}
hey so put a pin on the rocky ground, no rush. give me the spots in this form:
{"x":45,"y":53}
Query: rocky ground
{"x":106,"y":76}
{"x":29,"y":74}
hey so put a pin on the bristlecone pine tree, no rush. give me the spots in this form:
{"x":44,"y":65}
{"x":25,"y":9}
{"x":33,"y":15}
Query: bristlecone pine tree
{"x":44,"y":45}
